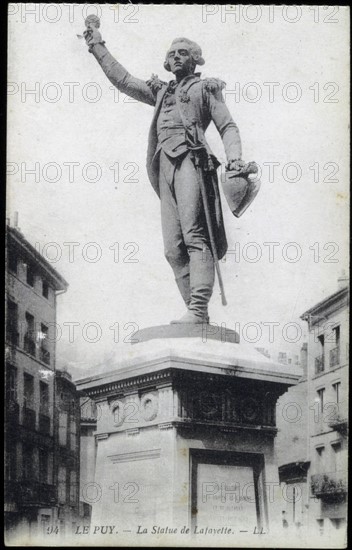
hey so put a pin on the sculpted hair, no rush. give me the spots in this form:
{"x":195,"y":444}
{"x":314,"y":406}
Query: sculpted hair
{"x":195,"y":51}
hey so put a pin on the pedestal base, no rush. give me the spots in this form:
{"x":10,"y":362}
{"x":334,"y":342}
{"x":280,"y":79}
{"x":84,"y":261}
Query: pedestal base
{"x":185,"y":439}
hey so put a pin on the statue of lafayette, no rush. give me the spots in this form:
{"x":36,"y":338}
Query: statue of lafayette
{"x":180,"y":162}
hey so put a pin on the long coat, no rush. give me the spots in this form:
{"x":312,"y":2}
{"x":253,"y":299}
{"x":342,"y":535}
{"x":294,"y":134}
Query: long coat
{"x":199,"y":102}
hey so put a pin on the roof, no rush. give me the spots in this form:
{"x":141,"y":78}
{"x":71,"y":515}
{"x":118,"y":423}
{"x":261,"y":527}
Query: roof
{"x":58,"y":282}
{"x":325,"y":303}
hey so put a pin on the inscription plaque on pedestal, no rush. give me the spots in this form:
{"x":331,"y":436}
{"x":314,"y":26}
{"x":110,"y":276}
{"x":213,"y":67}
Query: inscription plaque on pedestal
{"x":227,"y":490}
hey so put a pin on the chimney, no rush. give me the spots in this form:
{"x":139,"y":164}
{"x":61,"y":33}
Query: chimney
{"x":304,"y":360}
{"x":15,"y":220}
{"x":343,"y":280}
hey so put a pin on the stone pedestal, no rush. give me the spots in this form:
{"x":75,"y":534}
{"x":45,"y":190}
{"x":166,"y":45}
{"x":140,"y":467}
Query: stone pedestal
{"x":185,"y":435}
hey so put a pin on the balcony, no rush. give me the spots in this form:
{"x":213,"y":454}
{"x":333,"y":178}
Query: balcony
{"x":12,"y":412}
{"x":28,"y":418}
{"x":30,"y":493}
{"x":339,"y":424}
{"x":44,"y":423}
{"x":44,"y":356}
{"x":319,"y":364}
{"x":29,"y":344}
{"x":334,"y":357}
{"x":332,"y":485}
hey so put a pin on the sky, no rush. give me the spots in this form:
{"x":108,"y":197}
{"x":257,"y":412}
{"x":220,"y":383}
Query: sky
{"x":91,"y":210}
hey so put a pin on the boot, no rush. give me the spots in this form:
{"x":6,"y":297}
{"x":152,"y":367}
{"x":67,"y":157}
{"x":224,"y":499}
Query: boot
{"x":202,"y":277}
{"x":184,"y":288}
{"x":190,"y":317}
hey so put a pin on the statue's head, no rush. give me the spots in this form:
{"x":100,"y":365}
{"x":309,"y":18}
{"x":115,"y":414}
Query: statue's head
{"x":183,"y":56}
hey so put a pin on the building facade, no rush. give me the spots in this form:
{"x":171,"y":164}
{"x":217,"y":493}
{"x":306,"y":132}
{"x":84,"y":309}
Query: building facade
{"x":312,"y":421}
{"x":31,"y":387}
{"x":67,"y":451}
{"x":89,"y":415}
{"x":328,"y":374}
{"x":292,"y":448}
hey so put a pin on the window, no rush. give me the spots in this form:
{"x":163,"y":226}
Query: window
{"x":12,"y":335}
{"x":50,"y":468}
{"x":12,"y":260}
{"x":320,"y":523}
{"x":28,"y":463}
{"x":11,"y":383}
{"x":43,"y":466}
{"x":28,"y":390}
{"x":63,"y":428}
{"x":335,"y":352}
{"x":338,"y":523}
{"x":11,"y":460}
{"x":320,"y":450}
{"x":29,"y":337}
{"x":43,"y":337}
{"x":45,"y":289}
{"x":73,"y":487}
{"x":44,"y":397}
{"x":337,"y":451}
{"x":319,"y":360}
{"x":320,"y":463}
{"x":44,"y":333}
{"x":62,"y":485}
{"x":337,"y":391}
{"x":321,"y":399}
{"x":30,"y":274}
{"x":337,"y":336}
{"x":73,"y":435}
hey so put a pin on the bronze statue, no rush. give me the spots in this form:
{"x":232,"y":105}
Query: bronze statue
{"x":181,"y":165}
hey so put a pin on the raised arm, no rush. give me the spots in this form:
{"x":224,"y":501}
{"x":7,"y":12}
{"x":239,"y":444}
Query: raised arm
{"x":116,"y":73}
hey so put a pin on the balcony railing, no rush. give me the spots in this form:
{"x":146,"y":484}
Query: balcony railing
{"x":329,"y":484}
{"x":334,"y":357}
{"x":44,"y":423}
{"x":44,"y":356}
{"x":30,"y":493}
{"x":28,"y":419}
{"x":339,"y":423}
{"x":29,"y":344}
{"x":319,"y":364}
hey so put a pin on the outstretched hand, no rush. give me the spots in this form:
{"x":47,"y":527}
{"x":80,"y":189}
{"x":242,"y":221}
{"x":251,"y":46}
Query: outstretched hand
{"x":92,"y":36}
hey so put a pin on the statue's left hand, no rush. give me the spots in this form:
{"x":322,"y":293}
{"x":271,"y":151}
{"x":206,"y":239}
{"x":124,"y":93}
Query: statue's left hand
{"x":240,"y":168}
{"x":236,"y":165}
